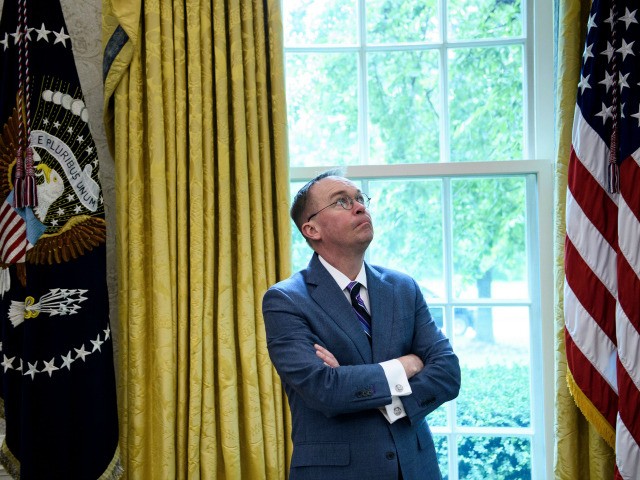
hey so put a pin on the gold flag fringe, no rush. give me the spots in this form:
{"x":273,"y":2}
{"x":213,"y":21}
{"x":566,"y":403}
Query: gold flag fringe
{"x":9,"y":462}
{"x":591,"y":413}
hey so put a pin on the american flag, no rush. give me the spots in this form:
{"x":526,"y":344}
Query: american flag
{"x":602,"y":247}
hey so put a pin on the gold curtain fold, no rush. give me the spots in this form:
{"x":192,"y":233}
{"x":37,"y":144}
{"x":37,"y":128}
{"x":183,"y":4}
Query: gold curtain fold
{"x":196,"y":117}
{"x":580,"y":452}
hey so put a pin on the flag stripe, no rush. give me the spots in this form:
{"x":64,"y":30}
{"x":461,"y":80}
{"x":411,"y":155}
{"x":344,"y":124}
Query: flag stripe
{"x":595,"y":298}
{"x":589,"y":338}
{"x":590,"y":149}
{"x":628,"y":322}
{"x":592,"y":384}
{"x":629,"y":457}
{"x":588,"y":193}
{"x":594,"y":249}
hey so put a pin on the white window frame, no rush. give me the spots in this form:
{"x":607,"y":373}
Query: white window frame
{"x":540,"y":148}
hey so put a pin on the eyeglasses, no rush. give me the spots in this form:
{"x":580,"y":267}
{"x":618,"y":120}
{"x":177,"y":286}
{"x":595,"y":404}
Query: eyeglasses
{"x":346,"y":202}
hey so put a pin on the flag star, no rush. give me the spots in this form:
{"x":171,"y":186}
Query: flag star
{"x":622,"y":81}
{"x":43,"y":33}
{"x":587,"y":52}
{"x":77,"y":209}
{"x":60,"y":211}
{"x":608,"y":51}
{"x":591,"y":22}
{"x":61,"y":37}
{"x":56,"y":124}
{"x":626,"y":49}
{"x":45,"y":122}
{"x":95,"y":162}
{"x":29,"y":30}
{"x":67,"y":361}
{"x":605,"y":113}
{"x":584,"y":83}
{"x":628,"y":18}
{"x":32,"y":369}
{"x":97,"y":343}
{"x":81,"y":352}
{"x":610,"y":19}
{"x":16,"y":36}
{"x":70,"y":129}
{"x":54,"y":223}
{"x":70,"y":197}
{"x":49,"y":367}
{"x":7,"y":363}
{"x":89,"y":150}
{"x":80,"y":139}
{"x":107,"y":333}
{"x":19,"y":367}
{"x":635,"y":115}
{"x":5,"y":42}
{"x":608,"y":80}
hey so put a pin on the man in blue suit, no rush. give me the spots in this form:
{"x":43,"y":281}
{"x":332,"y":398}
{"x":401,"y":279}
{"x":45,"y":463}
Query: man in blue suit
{"x":361,"y":369}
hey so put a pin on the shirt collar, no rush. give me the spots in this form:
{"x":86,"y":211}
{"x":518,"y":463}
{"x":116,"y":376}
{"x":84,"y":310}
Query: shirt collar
{"x":341,"y":279}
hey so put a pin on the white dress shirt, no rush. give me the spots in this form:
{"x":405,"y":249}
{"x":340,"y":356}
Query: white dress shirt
{"x":393,"y":369}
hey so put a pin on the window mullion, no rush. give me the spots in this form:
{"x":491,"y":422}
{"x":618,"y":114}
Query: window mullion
{"x":363,"y":92}
{"x":445,"y":150}
{"x":447,"y":199}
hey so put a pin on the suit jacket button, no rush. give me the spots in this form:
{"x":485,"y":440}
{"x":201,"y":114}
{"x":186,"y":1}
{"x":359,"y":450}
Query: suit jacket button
{"x":399,"y":388}
{"x":390,"y":455}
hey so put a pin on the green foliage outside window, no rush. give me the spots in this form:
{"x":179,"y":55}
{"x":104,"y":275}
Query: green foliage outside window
{"x":492,"y":396}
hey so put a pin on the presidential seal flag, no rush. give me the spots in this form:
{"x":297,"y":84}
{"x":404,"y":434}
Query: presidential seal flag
{"x":57,"y":381}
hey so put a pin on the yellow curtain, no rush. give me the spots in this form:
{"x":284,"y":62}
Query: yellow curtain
{"x":195,"y":113}
{"x":580,"y":453}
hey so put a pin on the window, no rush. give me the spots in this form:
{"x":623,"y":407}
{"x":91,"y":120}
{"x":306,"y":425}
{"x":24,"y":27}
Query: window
{"x":438,"y":109}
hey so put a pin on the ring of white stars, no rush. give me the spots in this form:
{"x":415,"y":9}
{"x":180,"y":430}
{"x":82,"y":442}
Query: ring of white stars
{"x":42,"y":36}
{"x":57,"y":363}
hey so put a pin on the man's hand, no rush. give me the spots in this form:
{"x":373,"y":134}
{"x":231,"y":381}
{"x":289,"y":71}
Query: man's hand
{"x":326,"y":356}
{"x":412,"y":364}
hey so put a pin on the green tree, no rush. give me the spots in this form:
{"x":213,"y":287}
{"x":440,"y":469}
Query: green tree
{"x":485,"y":122}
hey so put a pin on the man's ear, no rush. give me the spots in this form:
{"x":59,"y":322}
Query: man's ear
{"x":310,"y":231}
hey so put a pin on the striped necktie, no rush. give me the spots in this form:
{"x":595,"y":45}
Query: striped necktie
{"x":359,"y":308}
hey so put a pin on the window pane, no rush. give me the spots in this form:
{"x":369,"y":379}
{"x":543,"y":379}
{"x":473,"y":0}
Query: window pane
{"x":390,"y":21}
{"x":438,"y":418}
{"x":472,"y":19}
{"x":407,"y":218}
{"x":495,"y":361}
{"x":322,"y":108}
{"x":489,"y":255}
{"x":442,"y":451}
{"x":300,"y":251}
{"x":326,"y":22}
{"x":495,"y":458}
{"x":486,"y":103}
{"x":403,"y":107}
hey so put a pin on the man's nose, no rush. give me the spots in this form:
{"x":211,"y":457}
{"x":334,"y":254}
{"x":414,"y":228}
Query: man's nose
{"x":358,"y":207}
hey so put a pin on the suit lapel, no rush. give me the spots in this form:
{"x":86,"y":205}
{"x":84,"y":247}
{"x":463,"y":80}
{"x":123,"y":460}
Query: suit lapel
{"x":381,"y":299}
{"x":333,"y":301}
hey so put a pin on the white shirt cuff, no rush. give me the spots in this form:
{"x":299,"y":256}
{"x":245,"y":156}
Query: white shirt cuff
{"x":399,"y":386}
